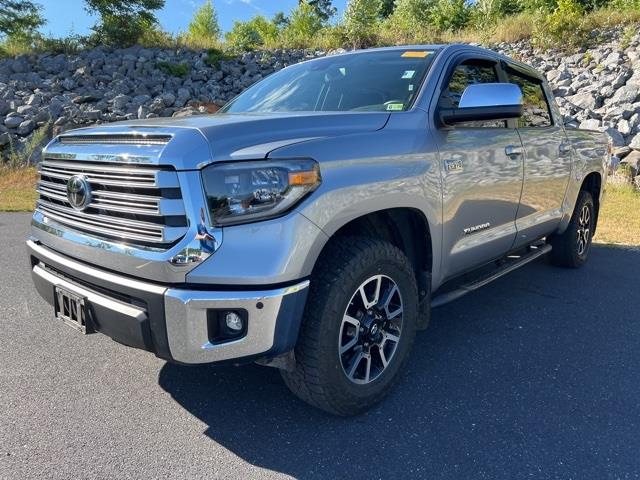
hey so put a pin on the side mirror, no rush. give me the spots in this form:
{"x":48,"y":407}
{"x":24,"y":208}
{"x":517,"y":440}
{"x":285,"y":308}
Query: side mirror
{"x":485,"y":101}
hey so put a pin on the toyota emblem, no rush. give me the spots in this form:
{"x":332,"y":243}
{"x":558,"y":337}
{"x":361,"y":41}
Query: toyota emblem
{"x":79,"y":192}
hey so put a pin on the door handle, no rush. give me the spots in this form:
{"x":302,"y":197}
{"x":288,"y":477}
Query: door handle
{"x":565,"y":148}
{"x":513,"y":151}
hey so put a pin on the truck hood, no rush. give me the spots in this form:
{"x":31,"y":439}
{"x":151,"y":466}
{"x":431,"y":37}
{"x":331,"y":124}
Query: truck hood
{"x":228,"y":136}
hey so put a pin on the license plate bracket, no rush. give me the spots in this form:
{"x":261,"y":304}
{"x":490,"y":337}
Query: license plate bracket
{"x":71,"y":308}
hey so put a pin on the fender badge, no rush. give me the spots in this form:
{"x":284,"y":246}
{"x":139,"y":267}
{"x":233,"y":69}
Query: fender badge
{"x":476,"y":228}
{"x":453,"y":165}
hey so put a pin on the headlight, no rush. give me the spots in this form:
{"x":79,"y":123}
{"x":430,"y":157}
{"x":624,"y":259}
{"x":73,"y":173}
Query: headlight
{"x":242,"y":192}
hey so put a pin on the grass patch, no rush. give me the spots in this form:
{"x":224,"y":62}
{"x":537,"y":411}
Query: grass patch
{"x":18,"y":158}
{"x":551,"y":30}
{"x":619,"y":220}
{"x":174,"y":69}
{"x":17,"y":189}
{"x":215,"y":56}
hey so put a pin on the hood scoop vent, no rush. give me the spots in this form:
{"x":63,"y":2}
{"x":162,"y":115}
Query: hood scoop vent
{"x":115,"y":139}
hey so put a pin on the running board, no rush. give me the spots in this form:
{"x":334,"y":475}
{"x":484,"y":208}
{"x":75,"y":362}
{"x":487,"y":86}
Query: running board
{"x":509,"y":266}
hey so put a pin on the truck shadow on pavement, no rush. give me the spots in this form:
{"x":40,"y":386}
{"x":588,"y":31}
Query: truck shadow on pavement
{"x":534,"y":375}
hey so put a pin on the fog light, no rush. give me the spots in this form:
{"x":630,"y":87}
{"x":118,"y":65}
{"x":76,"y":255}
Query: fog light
{"x":233,"y":321}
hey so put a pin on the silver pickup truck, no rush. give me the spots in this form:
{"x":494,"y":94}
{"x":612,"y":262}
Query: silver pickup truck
{"x":313,"y":222}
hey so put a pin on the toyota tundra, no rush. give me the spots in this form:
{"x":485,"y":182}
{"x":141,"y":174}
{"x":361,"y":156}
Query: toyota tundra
{"x":313,"y":222}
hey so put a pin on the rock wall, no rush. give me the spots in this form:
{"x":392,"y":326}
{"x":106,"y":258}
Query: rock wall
{"x":61,"y":92}
{"x":596,"y":88}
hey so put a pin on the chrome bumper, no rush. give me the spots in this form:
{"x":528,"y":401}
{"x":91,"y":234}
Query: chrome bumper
{"x":187,"y":331}
{"x":172,"y":322}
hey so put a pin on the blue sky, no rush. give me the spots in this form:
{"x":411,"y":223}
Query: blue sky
{"x":66,"y":16}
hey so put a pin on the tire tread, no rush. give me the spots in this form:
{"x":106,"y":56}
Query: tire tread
{"x":344,"y":256}
{"x":563,"y":253}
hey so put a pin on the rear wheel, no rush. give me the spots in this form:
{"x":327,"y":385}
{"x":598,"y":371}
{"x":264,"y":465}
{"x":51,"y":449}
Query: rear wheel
{"x":359,"y":326}
{"x":571,"y":249}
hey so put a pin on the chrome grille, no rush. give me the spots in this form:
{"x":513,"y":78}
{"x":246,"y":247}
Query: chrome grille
{"x":138,"y":205}
{"x":106,"y":175}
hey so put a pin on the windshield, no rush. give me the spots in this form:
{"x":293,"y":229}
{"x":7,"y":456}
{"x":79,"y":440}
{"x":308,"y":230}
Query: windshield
{"x":370,"y":81}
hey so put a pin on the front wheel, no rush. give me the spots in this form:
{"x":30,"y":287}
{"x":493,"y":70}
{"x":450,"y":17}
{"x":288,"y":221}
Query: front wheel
{"x":359,"y":326}
{"x":571,"y":249}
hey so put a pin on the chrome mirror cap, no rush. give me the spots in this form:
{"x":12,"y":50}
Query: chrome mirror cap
{"x":491,"y":95}
{"x":485,"y":102}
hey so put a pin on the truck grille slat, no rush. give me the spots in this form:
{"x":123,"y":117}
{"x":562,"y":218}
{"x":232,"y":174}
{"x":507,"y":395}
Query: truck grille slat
{"x":118,"y":201}
{"x":140,"y":205}
{"x":125,"y":177}
{"x":97,"y":226}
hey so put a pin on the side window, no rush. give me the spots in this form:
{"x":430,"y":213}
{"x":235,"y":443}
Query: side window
{"x":536,"y":107}
{"x":465,"y":74}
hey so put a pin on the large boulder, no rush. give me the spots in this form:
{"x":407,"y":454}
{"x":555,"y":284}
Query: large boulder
{"x":633,"y":160}
{"x":590,"y":124}
{"x":26,"y":127}
{"x":625,"y":95}
{"x":616,"y":138}
{"x":584,"y":100}
{"x":13,"y":122}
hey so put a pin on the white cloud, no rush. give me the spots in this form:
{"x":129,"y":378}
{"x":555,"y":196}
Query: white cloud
{"x":246,"y":2}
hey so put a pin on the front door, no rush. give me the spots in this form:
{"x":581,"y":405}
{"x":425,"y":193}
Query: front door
{"x":482,"y":169}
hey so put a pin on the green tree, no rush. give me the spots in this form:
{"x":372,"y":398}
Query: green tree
{"x":123,"y":22}
{"x":204,"y":26}
{"x":626,"y":4}
{"x":494,"y":9}
{"x":19,"y":18}
{"x":412,"y":15}
{"x":323,"y":8}
{"x":243,"y":37}
{"x":551,"y":5}
{"x":252,"y":34}
{"x":280,"y":20}
{"x":360,"y":21}
{"x":416,"y":15}
{"x":304,"y":24}
{"x":564,"y":26}
{"x":387,"y":7}
{"x":450,"y":14}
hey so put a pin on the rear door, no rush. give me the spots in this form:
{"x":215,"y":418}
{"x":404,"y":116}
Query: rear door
{"x":481,"y":175}
{"x":547,"y":161}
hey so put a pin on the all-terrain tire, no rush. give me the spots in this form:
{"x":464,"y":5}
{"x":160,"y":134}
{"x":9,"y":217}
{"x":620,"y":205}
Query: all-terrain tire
{"x":319,"y":377}
{"x":571,"y":249}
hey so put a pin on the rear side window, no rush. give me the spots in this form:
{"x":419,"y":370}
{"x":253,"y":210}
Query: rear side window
{"x":536,"y":107}
{"x":468,"y":73}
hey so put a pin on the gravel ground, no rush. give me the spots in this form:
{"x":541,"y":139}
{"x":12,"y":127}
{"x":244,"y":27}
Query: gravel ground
{"x":534,"y":376}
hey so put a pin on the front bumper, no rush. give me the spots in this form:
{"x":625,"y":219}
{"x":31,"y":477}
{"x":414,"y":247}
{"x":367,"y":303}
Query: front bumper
{"x":172,"y":322}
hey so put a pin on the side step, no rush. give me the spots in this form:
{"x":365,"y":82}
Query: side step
{"x":512,"y":262}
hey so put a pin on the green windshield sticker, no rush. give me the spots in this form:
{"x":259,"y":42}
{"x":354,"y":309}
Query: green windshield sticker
{"x":408,"y":74}
{"x":395,"y":107}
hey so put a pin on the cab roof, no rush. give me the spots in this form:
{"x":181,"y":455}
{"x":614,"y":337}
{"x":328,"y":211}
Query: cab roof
{"x":453,"y":48}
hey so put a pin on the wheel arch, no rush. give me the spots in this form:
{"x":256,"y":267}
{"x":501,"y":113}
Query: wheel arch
{"x":405,"y":227}
{"x":592,"y":183}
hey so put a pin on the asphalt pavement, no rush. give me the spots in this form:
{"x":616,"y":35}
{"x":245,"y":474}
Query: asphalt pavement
{"x":534,"y":376}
